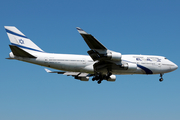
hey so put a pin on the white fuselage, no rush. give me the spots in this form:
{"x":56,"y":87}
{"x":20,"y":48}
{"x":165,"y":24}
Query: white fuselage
{"x":138,"y":64}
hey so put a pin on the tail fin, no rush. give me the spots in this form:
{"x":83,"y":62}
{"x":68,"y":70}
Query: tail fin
{"x":17,"y":38}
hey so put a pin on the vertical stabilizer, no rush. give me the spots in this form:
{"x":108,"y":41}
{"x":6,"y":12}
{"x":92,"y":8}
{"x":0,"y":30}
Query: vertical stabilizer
{"x":17,"y":38}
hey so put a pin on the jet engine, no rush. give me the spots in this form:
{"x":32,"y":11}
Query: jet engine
{"x":115,"y":56}
{"x":112,"y":78}
{"x":129,"y":66}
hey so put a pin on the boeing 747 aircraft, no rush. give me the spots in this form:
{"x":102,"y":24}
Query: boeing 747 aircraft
{"x":101,"y":63}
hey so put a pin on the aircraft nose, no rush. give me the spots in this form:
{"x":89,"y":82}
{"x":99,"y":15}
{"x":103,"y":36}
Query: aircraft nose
{"x":174,"y":67}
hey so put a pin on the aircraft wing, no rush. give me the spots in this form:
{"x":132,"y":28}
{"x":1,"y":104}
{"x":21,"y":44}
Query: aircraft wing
{"x":92,"y":42}
{"x":76,"y":75}
{"x":98,"y":50}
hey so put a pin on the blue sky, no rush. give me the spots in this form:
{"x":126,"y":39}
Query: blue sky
{"x":131,"y":27}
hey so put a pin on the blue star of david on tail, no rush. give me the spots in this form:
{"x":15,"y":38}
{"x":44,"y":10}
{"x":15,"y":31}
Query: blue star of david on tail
{"x":21,"y":41}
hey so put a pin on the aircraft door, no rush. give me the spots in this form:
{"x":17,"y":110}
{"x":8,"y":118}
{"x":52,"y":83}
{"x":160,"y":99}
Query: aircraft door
{"x":158,"y":65}
{"x":46,"y":61}
{"x":84,"y":61}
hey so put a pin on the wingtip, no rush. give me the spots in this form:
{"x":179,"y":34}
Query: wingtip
{"x":81,"y":31}
{"x":78,"y":28}
{"x":47,"y":70}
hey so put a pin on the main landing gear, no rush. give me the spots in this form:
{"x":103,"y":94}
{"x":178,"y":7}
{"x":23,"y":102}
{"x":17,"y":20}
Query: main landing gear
{"x":99,"y":81}
{"x":161,"y":79}
{"x":99,"y":77}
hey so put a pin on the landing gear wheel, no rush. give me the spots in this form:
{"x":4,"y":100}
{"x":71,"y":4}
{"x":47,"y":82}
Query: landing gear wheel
{"x":161,"y":79}
{"x":99,"y":82}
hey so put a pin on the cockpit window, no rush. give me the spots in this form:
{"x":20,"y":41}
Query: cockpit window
{"x":165,"y":58}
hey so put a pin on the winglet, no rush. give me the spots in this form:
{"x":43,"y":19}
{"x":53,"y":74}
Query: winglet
{"x":81,"y":31}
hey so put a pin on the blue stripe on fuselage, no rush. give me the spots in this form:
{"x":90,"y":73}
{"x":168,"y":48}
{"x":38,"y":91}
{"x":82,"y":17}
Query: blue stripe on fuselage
{"x":148,"y":71}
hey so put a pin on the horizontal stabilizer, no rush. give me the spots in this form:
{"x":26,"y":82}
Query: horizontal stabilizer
{"x":49,"y":71}
{"x":19,"y":52}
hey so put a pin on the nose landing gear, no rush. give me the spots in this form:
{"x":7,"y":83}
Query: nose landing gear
{"x":161,"y":79}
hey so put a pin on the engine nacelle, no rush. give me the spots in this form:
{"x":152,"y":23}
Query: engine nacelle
{"x":82,"y":78}
{"x":112,"y":78}
{"x":129,"y":66}
{"x":115,"y":56}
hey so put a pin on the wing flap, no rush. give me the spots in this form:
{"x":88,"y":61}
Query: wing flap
{"x":72,"y":73}
{"x":78,"y":74}
{"x":83,"y":74}
{"x":93,"y":54}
